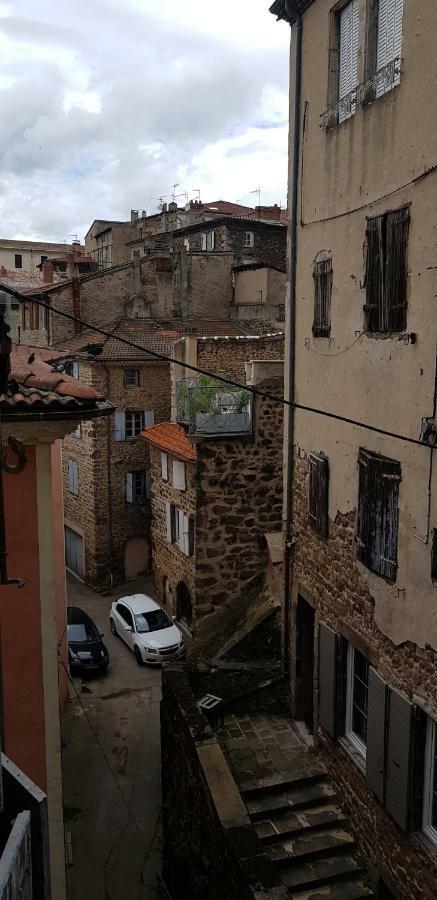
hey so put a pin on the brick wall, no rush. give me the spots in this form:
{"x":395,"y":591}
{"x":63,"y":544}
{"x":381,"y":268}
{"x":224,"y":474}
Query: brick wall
{"x":329,"y":573}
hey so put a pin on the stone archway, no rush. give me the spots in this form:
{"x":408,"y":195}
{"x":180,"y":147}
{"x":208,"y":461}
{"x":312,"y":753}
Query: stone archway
{"x":136,"y":557}
{"x":184,"y":605}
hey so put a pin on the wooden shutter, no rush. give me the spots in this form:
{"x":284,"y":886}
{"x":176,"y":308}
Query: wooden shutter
{"x":322,"y":275}
{"x":179,"y":475}
{"x":389,"y":518}
{"x":318,"y":505}
{"x":147,"y":484}
{"x":390,"y":15}
{"x":395,"y":290}
{"x":168,"y":521}
{"x":191,"y":535}
{"x":399,"y":755}
{"x":129,"y":487}
{"x":173,"y":513}
{"x":374,"y":275}
{"x":184,"y":534}
{"x":378,"y":513}
{"x":327,"y":679}
{"x":120,"y":426}
{"x":418,"y":764}
{"x":164,"y":466}
{"x":376,"y":733}
{"x":203,"y":240}
{"x":348,"y":54}
{"x":149,"y":418}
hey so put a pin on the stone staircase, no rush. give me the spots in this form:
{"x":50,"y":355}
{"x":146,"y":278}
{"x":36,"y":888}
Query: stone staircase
{"x":305,"y":833}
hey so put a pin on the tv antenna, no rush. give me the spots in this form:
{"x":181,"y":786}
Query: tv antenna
{"x":174,"y":190}
{"x":257,"y":191}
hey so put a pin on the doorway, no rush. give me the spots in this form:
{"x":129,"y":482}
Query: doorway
{"x":304,"y":679}
{"x":74,"y":552}
{"x":136,"y":557}
{"x":184,"y":609}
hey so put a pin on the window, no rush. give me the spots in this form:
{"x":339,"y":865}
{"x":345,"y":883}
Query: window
{"x":356,"y":700}
{"x":125,"y":614}
{"x":180,"y":529}
{"x":248,"y":239}
{"x":18,"y":261}
{"x":322,"y":274}
{"x":389,"y":43}
{"x":134,"y":424}
{"x":137,"y":486}
{"x":73,"y":476}
{"x":187,"y":243}
{"x":164,"y":466}
{"x":179,"y":475}
{"x":131,"y":378}
{"x":77,"y":433}
{"x":348,"y":26}
{"x":318,"y":500}
{"x":135,"y":254}
{"x":208,"y":240}
{"x":386,"y":272}
{"x":43,"y":259}
{"x":71,"y":368}
{"x":129,"y":425}
{"x":377,"y":526}
{"x":429,"y":823}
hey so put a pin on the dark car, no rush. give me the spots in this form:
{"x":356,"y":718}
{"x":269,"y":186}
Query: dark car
{"x":86,"y":649}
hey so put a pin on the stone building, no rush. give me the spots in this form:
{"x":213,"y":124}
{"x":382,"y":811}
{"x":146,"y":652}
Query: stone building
{"x":105,"y":242}
{"x":362,"y":624}
{"x":249,"y":240}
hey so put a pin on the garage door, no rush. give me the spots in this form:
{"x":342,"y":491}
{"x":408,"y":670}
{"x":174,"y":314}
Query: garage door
{"x":74,"y":551}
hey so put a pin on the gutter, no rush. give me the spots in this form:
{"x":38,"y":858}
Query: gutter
{"x":290,"y":382}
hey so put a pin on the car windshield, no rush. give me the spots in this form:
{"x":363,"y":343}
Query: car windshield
{"x":152,"y":621}
{"x":82,"y":632}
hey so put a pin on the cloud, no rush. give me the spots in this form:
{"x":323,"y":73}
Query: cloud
{"x":109,"y":106}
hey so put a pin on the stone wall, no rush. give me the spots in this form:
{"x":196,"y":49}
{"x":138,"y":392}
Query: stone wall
{"x":227,"y":356}
{"x":209,"y":286}
{"x":269,"y":241}
{"x":210,"y":849}
{"x":328,"y":572}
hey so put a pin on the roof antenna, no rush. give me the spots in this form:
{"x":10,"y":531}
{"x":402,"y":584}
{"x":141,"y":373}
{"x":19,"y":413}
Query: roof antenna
{"x":257,"y":191}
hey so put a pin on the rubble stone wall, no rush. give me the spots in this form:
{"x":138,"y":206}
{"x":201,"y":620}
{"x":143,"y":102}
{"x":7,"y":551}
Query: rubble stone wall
{"x":227,"y":356}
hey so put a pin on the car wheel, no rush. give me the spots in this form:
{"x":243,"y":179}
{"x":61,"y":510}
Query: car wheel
{"x":112,"y":627}
{"x":139,"y":658}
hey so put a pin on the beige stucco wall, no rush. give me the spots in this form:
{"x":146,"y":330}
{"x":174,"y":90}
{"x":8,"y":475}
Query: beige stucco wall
{"x":251,"y":286}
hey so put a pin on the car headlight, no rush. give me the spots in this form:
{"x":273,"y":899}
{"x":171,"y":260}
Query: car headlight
{"x":150,"y":650}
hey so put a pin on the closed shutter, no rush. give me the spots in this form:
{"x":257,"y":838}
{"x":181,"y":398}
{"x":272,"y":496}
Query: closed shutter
{"x":378,"y":513}
{"x":120,"y":426}
{"x":203,"y":241}
{"x":396,"y":270}
{"x":179,"y":475}
{"x":327,"y":679}
{"x":129,"y":487}
{"x":173,"y":513}
{"x":399,"y":753}
{"x":147,"y":484}
{"x":322,"y":275}
{"x":164,"y":466}
{"x":389,"y":519}
{"x":181,"y":531}
{"x":374,"y":276}
{"x":168,"y":522}
{"x":191,"y":536}
{"x":318,"y":505}
{"x":341,"y":685}
{"x":348,"y":56}
{"x":212,"y":240}
{"x":149,"y":418}
{"x":376,"y":732}
{"x":418,"y":780}
{"x":185,"y":544}
{"x":389,"y":45}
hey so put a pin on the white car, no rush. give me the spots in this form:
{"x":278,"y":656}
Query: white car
{"x":147,"y":629}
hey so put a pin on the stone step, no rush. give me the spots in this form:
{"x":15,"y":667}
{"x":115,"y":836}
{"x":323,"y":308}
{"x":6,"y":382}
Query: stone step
{"x":316,"y":845}
{"x":346,"y":890}
{"x":298,"y":797}
{"x":310,"y":775}
{"x":286,"y":824}
{"x":321,"y":872}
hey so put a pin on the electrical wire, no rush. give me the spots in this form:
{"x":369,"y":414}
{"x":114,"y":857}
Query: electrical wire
{"x":338,"y":352}
{"x":154,"y":354}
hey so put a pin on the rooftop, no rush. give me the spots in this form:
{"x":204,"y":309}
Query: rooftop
{"x":22,"y":280}
{"x":289,"y":9}
{"x":172,"y":439}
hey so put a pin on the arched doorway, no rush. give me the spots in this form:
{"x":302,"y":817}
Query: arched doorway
{"x":184,"y":607}
{"x":136,"y":557}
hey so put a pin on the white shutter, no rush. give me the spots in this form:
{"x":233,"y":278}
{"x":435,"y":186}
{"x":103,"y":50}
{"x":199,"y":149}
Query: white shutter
{"x":389,"y":45}
{"x":179,"y":475}
{"x":70,"y":474}
{"x":164,"y":466}
{"x":168,"y":522}
{"x":203,"y":240}
{"x":348,"y":63}
{"x":212,"y":240}
{"x":120,"y":426}
{"x":129,"y":487}
{"x":149,"y":418}
{"x":181,"y":517}
{"x":185,"y":541}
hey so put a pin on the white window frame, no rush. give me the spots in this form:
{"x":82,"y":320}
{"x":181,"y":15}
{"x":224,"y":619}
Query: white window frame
{"x":249,"y":239}
{"x":354,"y":738}
{"x":130,"y":418}
{"x":73,"y":476}
{"x":428,"y":786}
{"x":164,"y":466}
{"x":179,"y":480}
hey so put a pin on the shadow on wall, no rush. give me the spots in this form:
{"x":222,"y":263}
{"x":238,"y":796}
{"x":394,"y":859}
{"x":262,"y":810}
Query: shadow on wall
{"x":136,"y":557}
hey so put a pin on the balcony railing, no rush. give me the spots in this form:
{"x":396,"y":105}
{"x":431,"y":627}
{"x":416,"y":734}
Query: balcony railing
{"x":207,"y":408}
{"x":385,"y":79}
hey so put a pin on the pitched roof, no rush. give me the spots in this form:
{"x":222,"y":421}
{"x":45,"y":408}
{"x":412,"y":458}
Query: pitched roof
{"x":35,"y":388}
{"x":20,"y":279}
{"x":226,"y":208}
{"x":171,"y":438}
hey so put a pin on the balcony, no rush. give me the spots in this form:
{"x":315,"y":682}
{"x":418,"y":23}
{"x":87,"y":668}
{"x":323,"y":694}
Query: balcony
{"x":205,"y":407}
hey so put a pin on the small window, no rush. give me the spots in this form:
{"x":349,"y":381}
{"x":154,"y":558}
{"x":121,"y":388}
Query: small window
{"x":137,"y":486}
{"x":71,"y":367}
{"x":377,"y":526}
{"x":18,"y":261}
{"x":131,"y":378}
{"x":357,"y":696}
{"x":77,"y":433}
{"x":386,"y":272}
{"x":179,"y":475}
{"x":164,"y":466}
{"x":134,"y":424}
{"x":43,"y":259}
{"x":318,"y":501}
{"x":248,"y":239}
{"x":208,"y":240}
{"x":322,"y":275}
{"x":73,"y":476}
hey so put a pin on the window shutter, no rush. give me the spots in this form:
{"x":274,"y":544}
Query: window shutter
{"x":147,"y":485}
{"x":389,"y":518}
{"x":341,"y":685}
{"x":185,"y":534}
{"x":120,"y":426}
{"x":173,"y":513}
{"x":203,"y":240}
{"x":399,"y":753}
{"x":149,"y":418}
{"x":418,"y":783}
{"x":212,"y":240}
{"x":348,"y":56}
{"x":376,"y":731}
{"x":327,"y":679}
{"x":191,"y":536}
{"x":70,"y":474}
{"x":374,"y":276}
{"x":129,"y":487}
{"x":179,"y":475}
{"x":322,"y":275}
{"x":396,"y":269}
{"x":319,"y":494}
{"x":390,"y":16}
{"x":164,"y":466}
{"x":168,"y":522}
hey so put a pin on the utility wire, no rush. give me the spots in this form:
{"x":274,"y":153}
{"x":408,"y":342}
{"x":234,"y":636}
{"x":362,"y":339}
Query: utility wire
{"x":154,"y":354}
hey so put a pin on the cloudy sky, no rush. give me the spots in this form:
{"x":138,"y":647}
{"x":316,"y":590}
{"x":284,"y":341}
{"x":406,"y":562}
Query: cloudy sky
{"x":104,"y":105}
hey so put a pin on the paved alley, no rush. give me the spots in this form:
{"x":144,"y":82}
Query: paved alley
{"x":111,"y":769}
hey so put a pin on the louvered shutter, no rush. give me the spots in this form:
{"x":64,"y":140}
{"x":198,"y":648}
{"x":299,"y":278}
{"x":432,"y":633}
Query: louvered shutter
{"x":179,"y":475}
{"x":120,"y":426}
{"x":388,"y":520}
{"x":376,"y":733}
{"x":129,"y":487}
{"x":184,"y":535}
{"x":322,"y":275}
{"x":327,"y":679}
{"x":348,"y":55}
{"x":168,"y":522}
{"x":374,"y":277}
{"x":399,"y":756}
{"x":395,"y":292}
{"x":319,"y":494}
{"x":149,"y":418}
{"x":191,"y":536}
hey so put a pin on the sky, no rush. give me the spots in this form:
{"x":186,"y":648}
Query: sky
{"x":105,"y":105}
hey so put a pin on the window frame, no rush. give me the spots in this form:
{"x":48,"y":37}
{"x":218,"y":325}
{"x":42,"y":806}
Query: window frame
{"x":138,"y":476}
{"x":249,"y":244}
{"x":350,"y":734}
{"x":323,"y":277}
{"x":18,"y":256}
{"x":129,"y":420}
{"x":136,"y":382}
{"x":383,"y":284}
{"x":430,"y":778}
{"x":376,"y":471}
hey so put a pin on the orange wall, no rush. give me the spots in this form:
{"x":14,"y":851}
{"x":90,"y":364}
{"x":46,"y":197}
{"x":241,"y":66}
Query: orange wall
{"x":20,"y":624}
{"x":59,"y":569}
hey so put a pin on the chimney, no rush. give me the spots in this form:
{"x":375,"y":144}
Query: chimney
{"x":172,"y":207}
{"x":134,"y":215}
{"x":143,"y":214}
{"x":75,"y":288}
{"x":3,"y":271}
{"x":47,"y":272}
{"x":268,"y":212}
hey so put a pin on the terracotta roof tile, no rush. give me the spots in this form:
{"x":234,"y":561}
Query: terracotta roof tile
{"x":171,"y":438}
{"x":19,"y":278}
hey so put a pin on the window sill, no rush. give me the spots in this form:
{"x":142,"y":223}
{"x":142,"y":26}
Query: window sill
{"x":356,"y":755}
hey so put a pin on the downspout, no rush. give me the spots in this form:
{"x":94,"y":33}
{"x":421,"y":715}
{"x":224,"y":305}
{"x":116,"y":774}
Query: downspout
{"x":109,"y":477}
{"x":290,"y":384}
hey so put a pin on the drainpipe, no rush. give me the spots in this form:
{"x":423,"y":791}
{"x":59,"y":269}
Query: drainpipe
{"x":109,"y":477}
{"x":290,"y":383}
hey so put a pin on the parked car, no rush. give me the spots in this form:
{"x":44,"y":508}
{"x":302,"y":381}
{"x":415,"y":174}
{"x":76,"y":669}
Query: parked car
{"x":147,"y":629}
{"x":86,"y":649}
